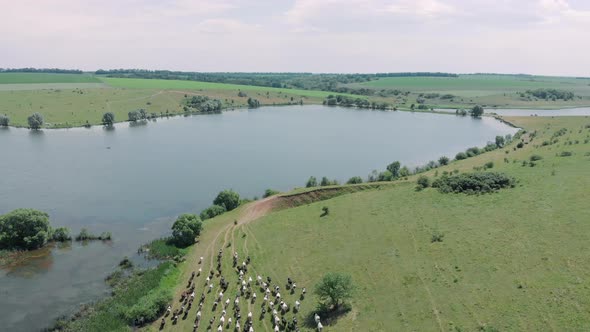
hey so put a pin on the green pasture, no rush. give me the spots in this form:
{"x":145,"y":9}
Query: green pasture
{"x":509,"y":261}
{"x":26,"y":78}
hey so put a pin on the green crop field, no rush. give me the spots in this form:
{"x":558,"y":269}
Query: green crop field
{"x":515,"y":260}
{"x":192,"y":85}
{"x":25,"y":78}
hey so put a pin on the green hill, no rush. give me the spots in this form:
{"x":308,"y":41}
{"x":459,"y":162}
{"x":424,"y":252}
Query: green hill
{"x":511,"y":260}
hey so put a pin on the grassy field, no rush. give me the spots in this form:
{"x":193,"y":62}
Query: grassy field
{"x":490,"y":90}
{"x":71,"y":100}
{"x":25,"y":78}
{"x":512,"y":260}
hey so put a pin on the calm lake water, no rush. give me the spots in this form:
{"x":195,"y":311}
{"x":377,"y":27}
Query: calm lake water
{"x":134,"y":180}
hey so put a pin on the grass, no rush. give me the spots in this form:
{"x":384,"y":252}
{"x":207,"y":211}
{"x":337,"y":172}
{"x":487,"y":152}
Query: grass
{"x":491,"y":90}
{"x":28,"y":78}
{"x":136,"y":83}
{"x":512,"y":260}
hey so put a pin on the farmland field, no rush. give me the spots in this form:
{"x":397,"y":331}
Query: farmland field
{"x":512,"y":260}
{"x":25,"y":78}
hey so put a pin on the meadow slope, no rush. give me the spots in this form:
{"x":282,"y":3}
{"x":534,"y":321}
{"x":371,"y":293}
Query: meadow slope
{"x":512,"y":260}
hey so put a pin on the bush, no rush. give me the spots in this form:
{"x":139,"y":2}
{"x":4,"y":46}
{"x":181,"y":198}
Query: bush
{"x":443,"y":160}
{"x":212,"y":212}
{"x":422,"y":182}
{"x":228,"y":199}
{"x":311,"y":182}
{"x":520,"y":145}
{"x":185,"y":229}
{"x":325,"y":211}
{"x":150,"y":307}
{"x":489,"y":164}
{"x":105,"y":236}
{"x":477,"y":111}
{"x":35,"y":121}
{"x":565,"y":154}
{"x":385,"y":176}
{"x":61,"y":234}
{"x":355,"y":180}
{"x":270,"y":192}
{"x":461,"y":156}
{"x":126,"y":263}
{"x":472,"y":152}
{"x":437,"y":237}
{"x":4,"y":120}
{"x":24,"y":229}
{"x":535,"y":157}
{"x":108,"y":119}
{"x":473,"y":183}
{"x":84,"y":235}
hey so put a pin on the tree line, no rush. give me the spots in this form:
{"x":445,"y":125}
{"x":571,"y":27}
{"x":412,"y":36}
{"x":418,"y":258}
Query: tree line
{"x":41,"y":70}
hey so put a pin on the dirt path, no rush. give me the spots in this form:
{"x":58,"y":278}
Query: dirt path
{"x":212,"y":241}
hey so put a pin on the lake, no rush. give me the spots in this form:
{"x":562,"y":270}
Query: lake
{"x":134,"y":180}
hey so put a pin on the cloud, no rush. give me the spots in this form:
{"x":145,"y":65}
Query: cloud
{"x":421,"y":8}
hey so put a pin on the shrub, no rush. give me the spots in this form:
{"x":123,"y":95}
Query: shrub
{"x":355,"y":180}
{"x":489,"y":164}
{"x":520,"y":145}
{"x":270,"y":192}
{"x":565,"y":154}
{"x":535,"y":157}
{"x":325,"y":211}
{"x":24,"y":229}
{"x":35,"y":121}
{"x":126,"y":263}
{"x":437,"y":237}
{"x":212,"y":212}
{"x":228,"y":199}
{"x":150,"y":307}
{"x":461,"y":156}
{"x":311,"y":182}
{"x":472,"y":152}
{"x":61,"y":234}
{"x":473,"y":183}
{"x":385,"y":176}
{"x":4,"y":120}
{"x":422,"y":182}
{"x":105,"y":236}
{"x":84,"y":235}
{"x":108,"y":119}
{"x":443,"y":160}
{"x":477,"y":111}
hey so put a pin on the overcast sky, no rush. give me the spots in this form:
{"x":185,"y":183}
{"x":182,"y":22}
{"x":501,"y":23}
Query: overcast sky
{"x":506,"y":36}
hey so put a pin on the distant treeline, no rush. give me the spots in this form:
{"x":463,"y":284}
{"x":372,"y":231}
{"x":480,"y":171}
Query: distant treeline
{"x":40,"y":70}
{"x":305,"y":81}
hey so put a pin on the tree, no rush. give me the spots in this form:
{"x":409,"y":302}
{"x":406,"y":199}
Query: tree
{"x":404,"y":172}
{"x":325,"y":182}
{"x":108,"y":119}
{"x":142,"y":114}
{"x":134,"y":116}
{"x":4,"y":120}
{"x":24,"y":229}
{"x":35,"y":121}
{"x":311,"y":182}
{"x":500,"y":141}
{"x":229,"y":199}
{"x":253,"y":103}
{"x":477,"y":111}
{"x":334,"y":289}
{"x":443,"y":160}
{"x":394,"y":168}
{"x":185,"y":229}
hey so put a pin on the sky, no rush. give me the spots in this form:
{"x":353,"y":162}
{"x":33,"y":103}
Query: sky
{"x":548,"y":37}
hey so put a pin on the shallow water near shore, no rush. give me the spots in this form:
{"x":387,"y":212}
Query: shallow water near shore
{"x":134,"y":180}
